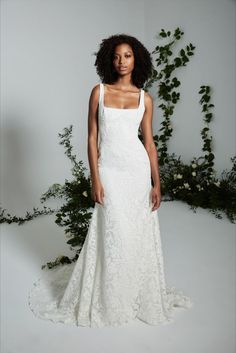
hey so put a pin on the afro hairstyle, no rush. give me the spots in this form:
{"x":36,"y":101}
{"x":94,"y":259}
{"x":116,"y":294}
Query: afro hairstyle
{"x":143,"y":66}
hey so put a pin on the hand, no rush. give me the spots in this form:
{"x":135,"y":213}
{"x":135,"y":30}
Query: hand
{"x":97,"y":191}
{"x":155,"y":197}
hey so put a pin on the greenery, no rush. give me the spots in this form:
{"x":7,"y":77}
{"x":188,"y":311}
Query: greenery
{"x":196,"y":183}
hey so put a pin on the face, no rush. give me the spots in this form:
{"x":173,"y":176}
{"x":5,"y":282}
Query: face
{"x":123,"y":59}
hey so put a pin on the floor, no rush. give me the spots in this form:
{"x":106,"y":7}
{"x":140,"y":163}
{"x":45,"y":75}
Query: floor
{"x":199,"y":257}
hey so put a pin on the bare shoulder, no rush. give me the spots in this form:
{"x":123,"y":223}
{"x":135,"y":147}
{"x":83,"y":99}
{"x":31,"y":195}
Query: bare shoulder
{"x":148,"y":100}
{"x":94,"y":95}
{"x":95,"y":90}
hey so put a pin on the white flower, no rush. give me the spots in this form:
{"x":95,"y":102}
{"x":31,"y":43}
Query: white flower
{"x":179,"y":176}
{"x":194,"y":173}
{"x":85,"y":193}
{"x":186,"y":185}
{"x":79,"y":181}
{"x":217,"y":183}
{"x":169,"y":126}
{"x":194,"y":165}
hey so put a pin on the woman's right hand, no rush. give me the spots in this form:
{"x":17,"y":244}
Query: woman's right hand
{"x":97,"y":191}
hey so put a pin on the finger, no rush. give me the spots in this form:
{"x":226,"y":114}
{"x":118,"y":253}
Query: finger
{"x":158,"y":203}
{"x":98,"y":199}
{"x":154,"y":199}
{"x":154,"y":207}
{"x":101,"y":198}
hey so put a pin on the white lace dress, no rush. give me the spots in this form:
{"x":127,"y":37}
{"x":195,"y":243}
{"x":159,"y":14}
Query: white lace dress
{"x":119,"y":275}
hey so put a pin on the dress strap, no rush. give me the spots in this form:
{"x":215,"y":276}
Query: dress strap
{"x":141,"y":104}
{"x":101,"y":95}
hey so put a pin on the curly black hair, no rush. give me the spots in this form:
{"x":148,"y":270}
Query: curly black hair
{"x":143,"y":65}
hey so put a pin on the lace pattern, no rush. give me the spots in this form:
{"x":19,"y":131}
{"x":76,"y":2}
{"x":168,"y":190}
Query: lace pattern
{"x":119,"y":275}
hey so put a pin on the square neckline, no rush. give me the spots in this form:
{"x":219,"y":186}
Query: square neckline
{"x":105,"y":107}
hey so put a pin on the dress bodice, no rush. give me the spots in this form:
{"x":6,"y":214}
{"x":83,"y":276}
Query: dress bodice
{"x":120,"y":123}
{"x":118,"y":134}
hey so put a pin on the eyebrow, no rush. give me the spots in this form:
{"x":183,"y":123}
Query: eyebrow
{"x":129,"y":51}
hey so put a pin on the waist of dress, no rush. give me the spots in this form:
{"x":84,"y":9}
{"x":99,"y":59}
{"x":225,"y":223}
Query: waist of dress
{"x":119,"y":138}
{"x":123,"y":152}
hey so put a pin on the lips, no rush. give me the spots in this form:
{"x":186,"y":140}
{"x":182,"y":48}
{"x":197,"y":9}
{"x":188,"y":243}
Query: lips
{"x":122,"y":67}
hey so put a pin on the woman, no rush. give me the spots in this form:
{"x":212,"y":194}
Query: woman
{"x":125,"y":78}
{"x":119,"y":275}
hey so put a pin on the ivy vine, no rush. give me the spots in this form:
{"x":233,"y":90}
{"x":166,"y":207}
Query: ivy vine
{"x":195,"y":183}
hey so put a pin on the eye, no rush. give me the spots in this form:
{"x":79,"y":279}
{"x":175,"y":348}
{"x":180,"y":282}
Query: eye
{"x":116,"y":57}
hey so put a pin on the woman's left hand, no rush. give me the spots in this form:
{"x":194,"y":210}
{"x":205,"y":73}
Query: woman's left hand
{"x":156,"y":197}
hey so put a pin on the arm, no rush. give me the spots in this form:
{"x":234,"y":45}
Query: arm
{"x":146,"y":128}
{"x":92,"y":145}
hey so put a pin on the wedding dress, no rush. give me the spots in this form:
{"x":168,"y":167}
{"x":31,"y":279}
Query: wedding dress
{"x":119,"y":274}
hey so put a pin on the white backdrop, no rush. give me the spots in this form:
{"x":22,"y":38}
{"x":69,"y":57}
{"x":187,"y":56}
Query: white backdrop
{"x":47,"y":73}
